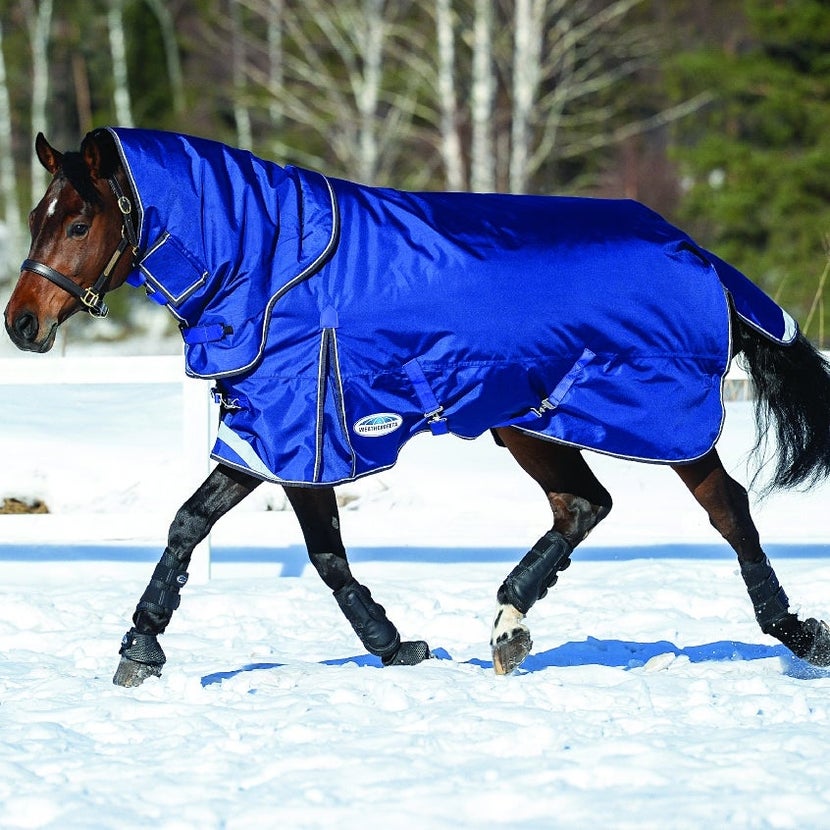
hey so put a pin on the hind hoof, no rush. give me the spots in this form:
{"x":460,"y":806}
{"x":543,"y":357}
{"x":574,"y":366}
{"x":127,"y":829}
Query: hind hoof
{"x":510,"y":650}
{"x":819,"y":653}
{"x":131,"y":673}
{"x":510,"y":640}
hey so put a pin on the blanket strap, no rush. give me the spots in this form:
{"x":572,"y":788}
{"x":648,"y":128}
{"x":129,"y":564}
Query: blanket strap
{"x":205,"y":334}
{"x":429,"y":403}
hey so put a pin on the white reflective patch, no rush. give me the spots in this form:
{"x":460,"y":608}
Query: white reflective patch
{"x":790,"y":328}
{"x":53,"y":206}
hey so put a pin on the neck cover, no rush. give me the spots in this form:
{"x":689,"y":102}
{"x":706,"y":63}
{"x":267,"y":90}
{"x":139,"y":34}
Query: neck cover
{"x":340,"y":320}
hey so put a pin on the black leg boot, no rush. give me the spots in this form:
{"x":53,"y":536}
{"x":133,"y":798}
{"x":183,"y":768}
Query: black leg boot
{"x":528,"y":582}
{"x":808,"y":639}
{"x":141,"y":654}
{"x":377,"y":633}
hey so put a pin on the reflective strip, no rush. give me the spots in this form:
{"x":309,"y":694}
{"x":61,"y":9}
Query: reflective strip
{"x":244,"y":450}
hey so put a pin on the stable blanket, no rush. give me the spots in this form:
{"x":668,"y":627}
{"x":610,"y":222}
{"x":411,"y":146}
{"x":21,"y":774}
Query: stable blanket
{"x":339,"y":320}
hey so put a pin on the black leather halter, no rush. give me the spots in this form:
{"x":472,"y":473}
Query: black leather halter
{"x":92,"y":298}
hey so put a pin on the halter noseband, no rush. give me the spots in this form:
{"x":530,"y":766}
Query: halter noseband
{"x":92,"y":298}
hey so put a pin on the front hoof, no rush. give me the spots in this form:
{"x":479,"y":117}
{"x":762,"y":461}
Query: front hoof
{"x":141,"y":657}
{"x":131,"y":673}
{"x":409,"y":653}
{"x":819,"y":653}
{"x":510,"y":641}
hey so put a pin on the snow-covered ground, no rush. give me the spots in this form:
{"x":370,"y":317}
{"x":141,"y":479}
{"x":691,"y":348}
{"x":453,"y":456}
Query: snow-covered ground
{"x":651,"y":698}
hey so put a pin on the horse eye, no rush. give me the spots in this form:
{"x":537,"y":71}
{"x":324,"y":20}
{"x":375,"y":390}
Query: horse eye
{"x":78,"y":230}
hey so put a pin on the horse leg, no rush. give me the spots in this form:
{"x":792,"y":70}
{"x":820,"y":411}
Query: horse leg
{"x":727,"y":504}
{"x":141,"y":654}
{"x":578,"y":502}
{"x":316,"y":510}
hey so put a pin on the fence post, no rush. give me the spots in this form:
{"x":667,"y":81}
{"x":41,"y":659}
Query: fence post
{"x":197,"y":436}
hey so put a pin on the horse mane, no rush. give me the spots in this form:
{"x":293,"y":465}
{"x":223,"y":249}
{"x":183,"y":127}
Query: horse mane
{"x":76,"y":172}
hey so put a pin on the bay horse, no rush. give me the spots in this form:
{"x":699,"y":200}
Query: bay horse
{"x":93,"y":231}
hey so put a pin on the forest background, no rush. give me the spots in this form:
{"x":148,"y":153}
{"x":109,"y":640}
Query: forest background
{"x":715,"y":113}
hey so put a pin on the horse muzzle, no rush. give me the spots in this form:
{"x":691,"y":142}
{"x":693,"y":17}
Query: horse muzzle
{"x":28,"y":334}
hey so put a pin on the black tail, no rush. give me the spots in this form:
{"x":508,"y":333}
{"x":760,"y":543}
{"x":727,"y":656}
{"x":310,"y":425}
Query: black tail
{"x":792,"y":410}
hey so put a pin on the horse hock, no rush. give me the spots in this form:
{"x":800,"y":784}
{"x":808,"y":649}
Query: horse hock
{"x":528,"y":582}
{"x":377,"y":633}
{"x":808,"y":639}
{"x":141,"y":654}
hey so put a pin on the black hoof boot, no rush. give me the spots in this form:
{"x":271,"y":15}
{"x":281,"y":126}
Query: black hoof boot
{"x":819,"y":652}
{"x":410,"y":653}
{"x":141,"y":657}
{"x":377,"y":633}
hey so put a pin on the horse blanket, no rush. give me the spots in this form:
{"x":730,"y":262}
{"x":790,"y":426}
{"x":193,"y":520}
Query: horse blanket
{"x":339,"y":320}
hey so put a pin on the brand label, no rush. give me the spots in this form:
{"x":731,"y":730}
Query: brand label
{"x":381,"y":423}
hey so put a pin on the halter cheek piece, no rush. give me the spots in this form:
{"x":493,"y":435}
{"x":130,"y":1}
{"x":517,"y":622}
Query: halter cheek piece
{"x":92,"y":298}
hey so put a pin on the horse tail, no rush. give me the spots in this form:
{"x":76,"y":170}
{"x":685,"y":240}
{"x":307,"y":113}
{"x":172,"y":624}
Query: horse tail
{"x":792,"y":408}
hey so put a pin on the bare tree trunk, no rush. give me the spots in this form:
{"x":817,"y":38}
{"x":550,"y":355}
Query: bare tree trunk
{"x":482,"y":163}
{"x":367,"y":87}
{"x":171,"y":53}
{"x":39,"y":23}
{"x":241,"y":115}
{"x":118,"y":51}
{"x":528,"y":21}
{"x":10,"y":248}
{"x":450,"y":139}
{"x":275,"y":11}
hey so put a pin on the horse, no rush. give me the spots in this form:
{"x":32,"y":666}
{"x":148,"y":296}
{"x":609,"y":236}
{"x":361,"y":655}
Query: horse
{"x":102,"y":223}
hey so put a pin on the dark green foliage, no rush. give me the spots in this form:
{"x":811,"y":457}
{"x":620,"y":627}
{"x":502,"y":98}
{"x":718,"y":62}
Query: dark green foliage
{"x":755,"y":163}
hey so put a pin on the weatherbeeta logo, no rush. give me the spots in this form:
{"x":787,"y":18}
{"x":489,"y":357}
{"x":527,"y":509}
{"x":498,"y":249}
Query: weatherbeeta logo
{"x":381,"y":423}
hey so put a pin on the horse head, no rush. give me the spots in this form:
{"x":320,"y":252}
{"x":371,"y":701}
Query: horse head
{"x":79,"y":229}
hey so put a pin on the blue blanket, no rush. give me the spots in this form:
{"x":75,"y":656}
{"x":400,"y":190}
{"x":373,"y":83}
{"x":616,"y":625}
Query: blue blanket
{"x":340,"y":320}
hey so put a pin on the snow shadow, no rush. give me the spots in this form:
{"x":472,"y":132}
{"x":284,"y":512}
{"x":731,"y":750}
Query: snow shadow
{"x":592,"y":652}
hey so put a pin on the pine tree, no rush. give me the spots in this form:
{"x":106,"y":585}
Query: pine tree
{"x":755,"y":164}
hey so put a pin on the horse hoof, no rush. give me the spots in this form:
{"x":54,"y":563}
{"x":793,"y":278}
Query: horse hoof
{"x":130,"y":673}
{"x":510,"y":640}
{"x":409,"y":653}
{"x":819,"y":653}
{"x":510,"y":650}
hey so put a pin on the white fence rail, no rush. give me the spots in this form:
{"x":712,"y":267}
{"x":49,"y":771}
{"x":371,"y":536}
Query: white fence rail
{"x":197,"y":417}
{"x":20,"y":373}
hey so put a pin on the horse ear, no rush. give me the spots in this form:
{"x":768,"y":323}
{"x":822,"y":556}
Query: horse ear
{"x":98,"y":150}
{"x":47,"y":155}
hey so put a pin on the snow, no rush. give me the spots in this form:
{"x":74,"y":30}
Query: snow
{"x":651,"y":698}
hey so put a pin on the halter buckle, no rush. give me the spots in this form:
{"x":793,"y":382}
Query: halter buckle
{"x":124,"y":205}
{"x":92,"y":302}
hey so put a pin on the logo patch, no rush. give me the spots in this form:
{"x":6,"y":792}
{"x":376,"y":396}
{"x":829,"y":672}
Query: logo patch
{"x":381,"y":423}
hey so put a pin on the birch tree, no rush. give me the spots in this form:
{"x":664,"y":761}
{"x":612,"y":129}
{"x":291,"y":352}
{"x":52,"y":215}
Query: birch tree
{"x":8,"y":179}
{"x":241,"y":116}
{"x":448,"y":105}
{"x":38,"y":22}
{"x":482,"y":91}
{"x":118,"y":54}
{"x":167,"y":27}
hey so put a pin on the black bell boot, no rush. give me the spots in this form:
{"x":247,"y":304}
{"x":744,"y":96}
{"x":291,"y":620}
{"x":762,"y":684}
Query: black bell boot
{"x":141,"y":657}
{"x":377,"y":633}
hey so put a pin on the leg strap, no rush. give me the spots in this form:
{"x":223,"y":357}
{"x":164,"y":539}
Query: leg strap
{"x":531,"y":578}
{"x":162,"y":594}
{"x":768,"y":598}
{"x":369,"y":620}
